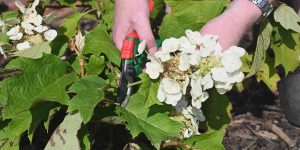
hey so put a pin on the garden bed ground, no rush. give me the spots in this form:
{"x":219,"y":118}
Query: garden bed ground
{"x":253,"y":111}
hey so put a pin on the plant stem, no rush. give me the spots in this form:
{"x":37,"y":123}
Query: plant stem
{"x":82,"y":65}
{"x":135,"y":83}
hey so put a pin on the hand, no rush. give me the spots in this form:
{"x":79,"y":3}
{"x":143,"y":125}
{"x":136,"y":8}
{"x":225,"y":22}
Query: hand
{"x":233,"y":23}
{"x":133,"y":15}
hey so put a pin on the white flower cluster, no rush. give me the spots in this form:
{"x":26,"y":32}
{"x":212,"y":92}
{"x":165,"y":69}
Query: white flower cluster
{"x":196,"y":61}
{"x":30,"y":31}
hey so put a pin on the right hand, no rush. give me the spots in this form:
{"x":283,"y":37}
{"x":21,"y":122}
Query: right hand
{"x":133,"y":15}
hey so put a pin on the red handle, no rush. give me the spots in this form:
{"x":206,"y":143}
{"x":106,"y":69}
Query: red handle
{"x":128,"y":45}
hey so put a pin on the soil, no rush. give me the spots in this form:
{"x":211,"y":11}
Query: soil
{"x":252,"y":110}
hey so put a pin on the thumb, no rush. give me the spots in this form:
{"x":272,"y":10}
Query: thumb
{"x":143,"y":28}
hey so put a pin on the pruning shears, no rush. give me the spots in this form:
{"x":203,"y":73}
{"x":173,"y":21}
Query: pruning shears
{"x":131,"y":64}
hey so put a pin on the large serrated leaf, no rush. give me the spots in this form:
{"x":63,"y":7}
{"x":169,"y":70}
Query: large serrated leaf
{"x":286,"y":57}
{"x":287,"y":17}
{"x":35,"y":52}
{"x":207,"y":141}
{"x":287,"y":51}
{"x":8,"y":141}
{"x":189,"y":14}
{"x":44,"y":79}
{"x":149,"y":90}
{"x":98,"y":42}
{"x":269,"y":76}
{"x":96,"y":65}
{"x":65,"y":135}
{"x":151,"y":121}
{"x":263,"y":43}
{"x":30,"y":119}
{"x":89,"y":90}
{"x":70,"y":24}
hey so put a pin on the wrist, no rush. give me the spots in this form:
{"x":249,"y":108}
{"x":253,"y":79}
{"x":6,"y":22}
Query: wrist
{"x":243,"y":12}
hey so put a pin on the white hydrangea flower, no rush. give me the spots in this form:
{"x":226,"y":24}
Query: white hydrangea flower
{"x":37,"y":21}
{"x":168,"y":46}
{"x":184,"y":62}
{"x":186,"y":46}
{"x":154,"y":67}
{"x":14,"y":33}
{"x":181,"y":104}
{"x":40,"y":28}
{"x":210,"y":46}
{"x":28,"y":27}
{"x":207,"y":82}
{"x":219,"y":74}
{"x":185,"y":84}
{"x":142,"y":47}
{"x":234,"y":49}
{"x":50,"y":35}
{"x":23,"y":46}
{"x":198,"y":95}
{"x":195,"y":58}
{"x":223,"y":87}
{"x":194,"y":37}
{"x":187,"y":133}
{"x":236,"y":76}
{"x":2,"y":52}
{"x":231,"y":62}
{"x":16,"y":37}
{"x":197,"y":101}
{"x":1,"y":22}
{"x":192,"y":129}
{"x":193,"y":113}
{"x":169,"y":91}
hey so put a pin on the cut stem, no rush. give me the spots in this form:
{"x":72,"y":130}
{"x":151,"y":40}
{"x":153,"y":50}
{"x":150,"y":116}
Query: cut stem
{"x":135,"y":83}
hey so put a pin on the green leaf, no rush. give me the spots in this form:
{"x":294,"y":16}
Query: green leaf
{"x":9,"y":15}
{"x":149,"y":90}
{"x":35,"y":52}
{"x":108,"y":13}
{"x":3,"y":38}
{"x":287,"y":17}
{"x":96,"y":65}
{"x":65,"y":135}
{"x":8,"y":141}
{"x":287,"y":57}
{"x":69,"y":26}
{"x":154,"y":124}
{"x":98,"y":42}
{"x":59,"y":45}
{"x":269,"y":76}
{"x":44,"y":79}
{"x":217,"y":111}
{"x":263,"y":44}
{"x":207,"y":141}
{"x":189,"y":14}
{"x":83,"y":136}
{"x":287,"y":50}
{"x":89,"y":90}
{"x":30,"y":119}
